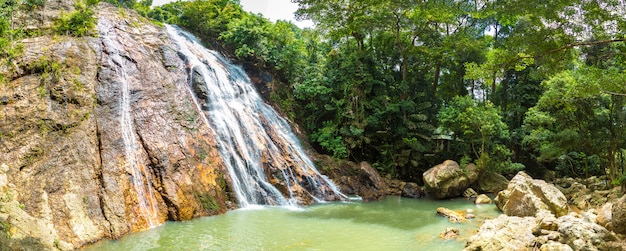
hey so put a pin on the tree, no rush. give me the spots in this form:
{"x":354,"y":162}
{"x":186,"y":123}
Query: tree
{"x":479,"y":126}
{"x":579,"y":113}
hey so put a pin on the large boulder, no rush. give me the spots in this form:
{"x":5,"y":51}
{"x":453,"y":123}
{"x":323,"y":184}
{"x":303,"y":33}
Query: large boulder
{"x":491,"y":182}
{"x":503,"y":233}
{"x":526,"y":196}
{"x":619,"y":216}
{"x":352,"y":178}
{"x":448,"y":179}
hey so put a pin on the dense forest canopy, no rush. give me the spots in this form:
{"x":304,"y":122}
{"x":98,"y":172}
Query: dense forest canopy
{"x":509,"y":85}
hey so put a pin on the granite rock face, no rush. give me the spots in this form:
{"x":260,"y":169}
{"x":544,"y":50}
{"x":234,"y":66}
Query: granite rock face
{"x":91,"y":127}
{"x":526,"y":196}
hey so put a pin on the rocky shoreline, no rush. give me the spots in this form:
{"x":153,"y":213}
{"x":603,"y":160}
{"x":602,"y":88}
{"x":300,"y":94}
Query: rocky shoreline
{"x":538,"y":215}
{"x":564,"y":214}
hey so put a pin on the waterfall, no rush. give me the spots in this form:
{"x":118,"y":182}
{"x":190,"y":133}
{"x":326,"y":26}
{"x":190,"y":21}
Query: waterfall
{"x":141,"y":187}
{"x":266,"y":163}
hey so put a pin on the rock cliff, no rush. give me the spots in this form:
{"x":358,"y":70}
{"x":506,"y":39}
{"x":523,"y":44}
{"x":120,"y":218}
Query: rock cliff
{"x":92,"y":127}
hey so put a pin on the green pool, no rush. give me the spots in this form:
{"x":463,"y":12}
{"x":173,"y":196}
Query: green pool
{"x":391,"y":224}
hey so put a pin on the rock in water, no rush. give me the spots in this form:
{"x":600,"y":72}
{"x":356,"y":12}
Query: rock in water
{"x":453,"y":216}
{"x":412,"y":190}
{"x":482,"y":199}
{"x":352,"y":178}
{"x":450,"y":233}
{"x":526,"y":196}
{"x":448,"y":179}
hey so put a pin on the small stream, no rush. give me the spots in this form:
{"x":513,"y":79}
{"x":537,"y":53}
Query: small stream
{"x":391,"y":224}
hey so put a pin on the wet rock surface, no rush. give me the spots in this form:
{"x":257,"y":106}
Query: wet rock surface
{"x":363,"y":180}
{"x":482,"y":199}
{"x":352,"y":178}
{"x":65,"y":174}
{"x":449,"y":234}
{"x":453,"y":216}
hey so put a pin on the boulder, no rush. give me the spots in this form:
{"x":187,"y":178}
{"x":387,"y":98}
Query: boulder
{"x":482,"y":199}
{"x":394,"y":187}
{"x":453,"y":216}
{"x":605,"y":216}
{"x":352,"y":178}
{"x":448,"y":179}
{"x":618,"y":212}
{"x":580,"y":233}
{"x":450,"y":233}
{"x":469,"y":193}
{"x":503,"y":233}
{"x":491,"y":182}
{"x":546,"y":221}
{"x":372,"y":181}
{"x":412,"y":190}
{"x":526,"y":196}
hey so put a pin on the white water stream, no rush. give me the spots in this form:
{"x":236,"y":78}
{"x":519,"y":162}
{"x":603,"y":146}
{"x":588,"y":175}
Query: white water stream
{"x":250,"y":134}
{"x":141,"y":180}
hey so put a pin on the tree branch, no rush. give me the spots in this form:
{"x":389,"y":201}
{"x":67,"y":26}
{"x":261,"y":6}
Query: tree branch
{"x":569,"y":46}
{"x":590,"y":43}
{"x":615,"y":93}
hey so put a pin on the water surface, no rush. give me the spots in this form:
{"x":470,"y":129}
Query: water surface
{"x":391,"y":224}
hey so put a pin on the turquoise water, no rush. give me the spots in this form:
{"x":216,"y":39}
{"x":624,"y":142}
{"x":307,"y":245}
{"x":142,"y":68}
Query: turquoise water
{"x":391,"y":224}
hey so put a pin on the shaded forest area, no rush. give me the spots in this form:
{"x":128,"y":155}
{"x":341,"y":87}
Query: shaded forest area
{"x":404,"y":85}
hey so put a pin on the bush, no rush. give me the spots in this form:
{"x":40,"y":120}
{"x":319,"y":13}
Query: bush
{"x":34,"y":4}
{"x":79,"y":23}
{"x":329,"y":140}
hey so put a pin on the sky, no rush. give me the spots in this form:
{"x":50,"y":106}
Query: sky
{"x":275,"y":10}
{"x":270,"y":9}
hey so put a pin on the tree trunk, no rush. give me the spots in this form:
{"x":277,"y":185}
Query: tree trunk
{"x":505,"y":95}
{"x":436,"y":78}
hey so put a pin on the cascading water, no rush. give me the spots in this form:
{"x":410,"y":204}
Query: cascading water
{"x":141,"y":185}
{"x":256,"y":144}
